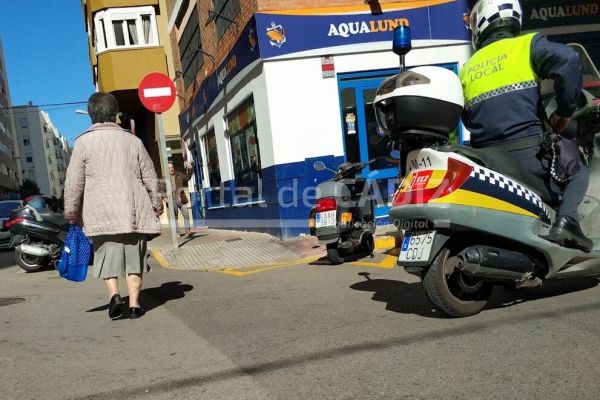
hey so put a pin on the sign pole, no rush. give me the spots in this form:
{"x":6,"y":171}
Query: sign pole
{"x":157,"y":93}
{"x":165,"y":167}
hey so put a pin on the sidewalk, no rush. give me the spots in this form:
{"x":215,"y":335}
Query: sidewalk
{"x":214,"y":249}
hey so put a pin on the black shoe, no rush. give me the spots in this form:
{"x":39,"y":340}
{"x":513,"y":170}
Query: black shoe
{"x":136,"y":312}
{"x":115,"y":308}
{"x":567,"y":232}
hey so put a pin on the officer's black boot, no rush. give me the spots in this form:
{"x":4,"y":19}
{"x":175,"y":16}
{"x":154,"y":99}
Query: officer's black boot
{"x":567,"y":232}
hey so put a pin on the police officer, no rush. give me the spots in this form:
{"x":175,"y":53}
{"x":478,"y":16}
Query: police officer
{"x":503,"y":103}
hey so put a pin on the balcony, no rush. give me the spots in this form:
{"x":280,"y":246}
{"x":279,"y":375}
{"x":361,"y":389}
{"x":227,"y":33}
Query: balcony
{"x":96,"y":5}
{"x":123,"y":69}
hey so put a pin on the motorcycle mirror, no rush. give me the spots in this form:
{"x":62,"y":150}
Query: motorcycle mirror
{"x":319,"y":166}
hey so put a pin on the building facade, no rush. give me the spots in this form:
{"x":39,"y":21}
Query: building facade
{"x":127,"y":40}
{"x":44,"y":151}
{"x":566,"y":21}
{"x":277,"y":86}
{"x":10,"y":169}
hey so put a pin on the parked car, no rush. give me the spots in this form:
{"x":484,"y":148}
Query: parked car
{"x":6,"y":207}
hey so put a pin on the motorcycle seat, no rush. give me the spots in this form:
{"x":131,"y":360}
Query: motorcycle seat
{"x":52,"y":217}
{"x":501,"y":161}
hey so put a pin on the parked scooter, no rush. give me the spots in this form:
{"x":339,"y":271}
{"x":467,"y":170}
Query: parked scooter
{"x":473,"y":218}
{"x":344,"y":217}
{"x":38,"y":234}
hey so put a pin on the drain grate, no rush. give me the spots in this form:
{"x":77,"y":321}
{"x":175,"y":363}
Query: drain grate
{"x":7,"y":301}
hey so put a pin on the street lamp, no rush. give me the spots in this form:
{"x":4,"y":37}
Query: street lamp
{"x":84,"y":112}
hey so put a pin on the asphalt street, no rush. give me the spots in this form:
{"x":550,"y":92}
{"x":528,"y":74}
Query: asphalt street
{"x":303,"y":331}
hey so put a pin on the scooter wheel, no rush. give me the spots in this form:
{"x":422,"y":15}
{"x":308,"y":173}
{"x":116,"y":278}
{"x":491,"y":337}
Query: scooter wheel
{"x":29,"y":263}
{"x":333,"y":253}
{"x":451,"y":291}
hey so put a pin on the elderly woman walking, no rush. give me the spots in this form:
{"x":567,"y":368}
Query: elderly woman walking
{"x":111,"y":189}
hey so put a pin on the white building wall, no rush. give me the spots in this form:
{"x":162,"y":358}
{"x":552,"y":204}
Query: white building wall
{"x":39,"y":130}
{"x":305,"y":107}
{"x":297,"y":110}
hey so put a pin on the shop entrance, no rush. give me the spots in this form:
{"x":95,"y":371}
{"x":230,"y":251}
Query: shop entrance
{"x":363,"y":140}
{"x":197,"y":196}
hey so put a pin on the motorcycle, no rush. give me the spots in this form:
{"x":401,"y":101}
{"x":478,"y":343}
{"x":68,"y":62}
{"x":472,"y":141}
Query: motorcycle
{"x":38,"y":234}
{"x":473,"y":218}
{"x":343,"y":218}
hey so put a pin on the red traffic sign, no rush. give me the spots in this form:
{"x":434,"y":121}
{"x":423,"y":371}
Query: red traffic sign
{"x":157,"y":92}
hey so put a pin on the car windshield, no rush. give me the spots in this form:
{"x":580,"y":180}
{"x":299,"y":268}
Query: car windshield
{"x":7,"y":206}
{"x":590,"y":75}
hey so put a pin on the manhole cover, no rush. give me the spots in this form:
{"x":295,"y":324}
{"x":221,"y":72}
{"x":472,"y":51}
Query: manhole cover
{"x":7,"y":301}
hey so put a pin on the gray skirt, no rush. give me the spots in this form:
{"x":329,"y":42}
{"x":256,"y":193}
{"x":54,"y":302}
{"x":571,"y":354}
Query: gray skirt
{"x":118,"y":255}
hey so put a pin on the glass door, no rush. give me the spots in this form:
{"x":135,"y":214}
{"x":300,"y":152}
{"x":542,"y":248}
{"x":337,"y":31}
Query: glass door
{"x":197,"y":198}
{"x":363,"y":140}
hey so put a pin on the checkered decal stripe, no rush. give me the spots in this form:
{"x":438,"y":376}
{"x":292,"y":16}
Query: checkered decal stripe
{"x":497,"y":92}
{"x":501,"y":181}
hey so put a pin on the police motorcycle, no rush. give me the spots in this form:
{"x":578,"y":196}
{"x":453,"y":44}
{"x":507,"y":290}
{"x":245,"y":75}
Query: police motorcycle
{"x":344,"y":217}
{"x":38,"y":232}
{"x":481,"y":219}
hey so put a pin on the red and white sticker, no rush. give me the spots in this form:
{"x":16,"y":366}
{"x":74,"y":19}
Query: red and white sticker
{"x":420,"y":180}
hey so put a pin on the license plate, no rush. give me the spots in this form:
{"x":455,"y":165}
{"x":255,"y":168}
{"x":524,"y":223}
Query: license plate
{"x":416,"y":246}
{"x":325,"y":218}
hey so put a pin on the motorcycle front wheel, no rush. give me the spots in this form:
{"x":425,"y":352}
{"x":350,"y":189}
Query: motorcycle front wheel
{"x":451,"y":291}
{"x":30,"y":263}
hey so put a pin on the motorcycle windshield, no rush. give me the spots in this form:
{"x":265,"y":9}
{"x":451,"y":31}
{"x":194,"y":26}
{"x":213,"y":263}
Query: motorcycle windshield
{"x":589,"y":72}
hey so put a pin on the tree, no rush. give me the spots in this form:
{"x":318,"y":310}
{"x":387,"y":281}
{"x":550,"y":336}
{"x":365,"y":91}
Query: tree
{"x":28,"y":188}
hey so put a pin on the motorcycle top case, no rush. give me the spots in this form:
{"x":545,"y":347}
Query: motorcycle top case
{"x":76,"y":255}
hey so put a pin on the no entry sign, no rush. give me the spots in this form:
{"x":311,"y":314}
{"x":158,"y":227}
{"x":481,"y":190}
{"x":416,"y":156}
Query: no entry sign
{"x":157,"y":92}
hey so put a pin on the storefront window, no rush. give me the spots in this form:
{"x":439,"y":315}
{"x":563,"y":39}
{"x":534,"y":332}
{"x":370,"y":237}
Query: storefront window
{"x":245,"y":152}
{"x":212,"y":164}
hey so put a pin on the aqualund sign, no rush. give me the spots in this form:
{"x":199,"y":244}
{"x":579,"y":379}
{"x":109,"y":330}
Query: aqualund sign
{"x":576,"y":10}
{"x":347,"y":29}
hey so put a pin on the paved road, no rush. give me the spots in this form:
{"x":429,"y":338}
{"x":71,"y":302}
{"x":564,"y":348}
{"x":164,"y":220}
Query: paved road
{"x":297,"y":332}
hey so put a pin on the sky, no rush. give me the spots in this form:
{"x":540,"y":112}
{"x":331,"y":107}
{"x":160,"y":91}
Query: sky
{"x":47,"y":59}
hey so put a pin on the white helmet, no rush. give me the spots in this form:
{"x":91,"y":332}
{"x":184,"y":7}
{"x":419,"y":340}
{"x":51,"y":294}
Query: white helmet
{"x":492,"y":15}
{"x":423,"y":103}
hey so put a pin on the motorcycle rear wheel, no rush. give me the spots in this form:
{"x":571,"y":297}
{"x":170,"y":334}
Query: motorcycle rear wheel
{"x":451,"y":291}
{"x":30,"y":263}
{"x":333,"y":253}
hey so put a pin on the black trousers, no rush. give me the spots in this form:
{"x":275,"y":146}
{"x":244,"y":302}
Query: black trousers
{"x":572,"y":191}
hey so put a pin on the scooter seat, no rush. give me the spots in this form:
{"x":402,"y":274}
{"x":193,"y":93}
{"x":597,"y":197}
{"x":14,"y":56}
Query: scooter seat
{"x":52,"y":217}
{"x":501,"y":161}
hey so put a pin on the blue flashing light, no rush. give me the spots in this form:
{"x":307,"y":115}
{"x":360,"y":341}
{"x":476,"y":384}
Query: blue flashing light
{"x":402,"y":40}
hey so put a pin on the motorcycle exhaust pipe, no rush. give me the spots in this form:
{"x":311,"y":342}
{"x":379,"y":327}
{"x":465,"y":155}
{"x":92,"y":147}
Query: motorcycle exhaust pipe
{"x":32,"y":250}
{"x":490,"y":263}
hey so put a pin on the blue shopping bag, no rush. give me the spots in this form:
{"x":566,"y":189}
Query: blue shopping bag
{"x":75,"y":256}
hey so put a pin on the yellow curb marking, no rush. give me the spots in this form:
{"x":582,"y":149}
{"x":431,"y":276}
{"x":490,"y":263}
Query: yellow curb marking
{"x":385,"y":243}
{"x":388,"y":262}
{"x":250,"y":271}
{"x":162,"y":261}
